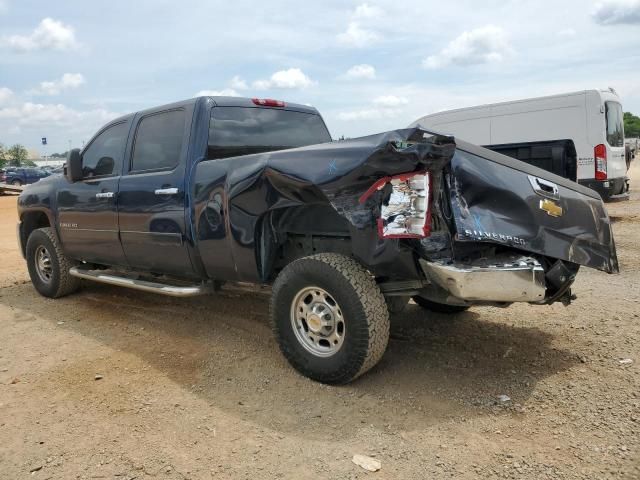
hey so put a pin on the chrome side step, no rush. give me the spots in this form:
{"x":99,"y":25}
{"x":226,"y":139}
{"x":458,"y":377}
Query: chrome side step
{"x":144,"y":285}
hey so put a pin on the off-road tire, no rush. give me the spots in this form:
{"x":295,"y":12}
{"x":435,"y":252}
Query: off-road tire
{"x":366,"y":319}
{"x":61,"y":282}
{"x":438,"y":307}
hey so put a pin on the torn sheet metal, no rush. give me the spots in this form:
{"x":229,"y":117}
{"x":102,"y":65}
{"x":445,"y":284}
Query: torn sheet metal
{"x":499,"y":200}
{"x":335,"y":174}
{"x":491,"y":202}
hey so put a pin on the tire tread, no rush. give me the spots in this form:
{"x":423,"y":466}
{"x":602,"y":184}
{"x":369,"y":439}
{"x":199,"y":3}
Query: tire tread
{"x":67,"y":283}
{"x":371,"y":300}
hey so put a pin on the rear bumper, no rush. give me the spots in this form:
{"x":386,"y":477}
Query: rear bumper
{"x":611,"y":189}
{"x":503,"y":280}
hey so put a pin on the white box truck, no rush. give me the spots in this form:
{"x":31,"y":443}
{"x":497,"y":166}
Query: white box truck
{"x":578,"y":135}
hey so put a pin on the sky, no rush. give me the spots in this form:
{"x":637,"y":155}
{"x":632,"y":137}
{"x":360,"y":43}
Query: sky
{"x":68,"y":67}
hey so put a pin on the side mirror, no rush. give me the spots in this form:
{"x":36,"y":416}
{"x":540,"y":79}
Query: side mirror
{"x":73,"y":169}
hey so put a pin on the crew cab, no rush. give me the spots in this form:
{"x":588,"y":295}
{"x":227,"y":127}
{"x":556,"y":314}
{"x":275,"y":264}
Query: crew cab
{"x":182,"y":198}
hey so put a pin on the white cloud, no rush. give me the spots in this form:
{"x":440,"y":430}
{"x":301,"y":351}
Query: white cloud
{"x":384,"y":106}
{"x":567,"y":32}
{"x":481,"y":45}
{"x":368,"y":114}
{"x":50,"y":34}
{"x":612,"y":12}
{"x":286,"y":79}
{"x":238,"y":83}
{"x":359,"y":33}
{"x":52,"y":115}
{"x":5,"y":95}
{"x":357,"y":36}
{"x":225,"y":92}
{"x":66,"y":82}
{"x":390,"y":101}
{"x":362,"y":71}
{"x":367,"y":11}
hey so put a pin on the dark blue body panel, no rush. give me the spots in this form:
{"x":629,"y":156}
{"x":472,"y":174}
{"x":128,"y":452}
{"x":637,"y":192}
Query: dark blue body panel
{"x":228,"y":218}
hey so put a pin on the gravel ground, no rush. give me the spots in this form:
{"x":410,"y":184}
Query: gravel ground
{"x":112,"y":383}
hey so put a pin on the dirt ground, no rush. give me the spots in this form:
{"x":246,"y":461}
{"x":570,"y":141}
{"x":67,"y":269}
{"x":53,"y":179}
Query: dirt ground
{"x":196,"y":388}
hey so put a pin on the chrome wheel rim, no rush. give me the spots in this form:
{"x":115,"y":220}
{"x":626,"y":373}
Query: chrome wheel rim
{"x":43,"y":264}
{"x":317,"y":321}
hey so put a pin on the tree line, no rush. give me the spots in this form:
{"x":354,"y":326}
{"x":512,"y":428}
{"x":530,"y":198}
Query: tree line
{"x":631,"y":125}
{"x":18,"y":156}
{"x":14,"y":156}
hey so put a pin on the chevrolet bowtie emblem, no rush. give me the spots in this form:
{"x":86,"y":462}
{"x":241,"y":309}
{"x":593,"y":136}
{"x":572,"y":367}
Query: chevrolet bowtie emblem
{"x":551,"y":207}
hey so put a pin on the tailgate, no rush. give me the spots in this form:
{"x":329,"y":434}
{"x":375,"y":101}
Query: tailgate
{"x":497,"y":199}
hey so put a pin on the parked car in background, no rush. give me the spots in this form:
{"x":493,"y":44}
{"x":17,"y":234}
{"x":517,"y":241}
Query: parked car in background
{"x":578,"y":135}
{"x":23,"y":176}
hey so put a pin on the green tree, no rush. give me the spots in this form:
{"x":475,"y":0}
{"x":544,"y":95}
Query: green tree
{"x":17,"y":155}
{"x":631,"y":125}
{"x":3,"y":155}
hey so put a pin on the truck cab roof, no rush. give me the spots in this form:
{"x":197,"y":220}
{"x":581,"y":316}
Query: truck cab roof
{"x":220,"y":101}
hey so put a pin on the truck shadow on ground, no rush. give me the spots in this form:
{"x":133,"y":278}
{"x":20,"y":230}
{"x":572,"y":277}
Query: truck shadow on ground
{"x":221,"y":348}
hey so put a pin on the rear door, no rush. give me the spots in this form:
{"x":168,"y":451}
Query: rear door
{"x":151,"y":198}
{"x":614,"y":127}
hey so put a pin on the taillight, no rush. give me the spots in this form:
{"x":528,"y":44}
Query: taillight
{"x":600,"y":157}
{"x":268,"y":102}
{"x":406,"y":212}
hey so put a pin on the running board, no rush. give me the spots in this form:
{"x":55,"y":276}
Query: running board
{"x":143,"y":285}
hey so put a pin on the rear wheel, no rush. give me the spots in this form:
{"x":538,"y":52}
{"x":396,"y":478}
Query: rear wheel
{"x":16,"y":183}
{"x":329,"y":318}
{"x":48,"y":266}
{"x":438,"y":307}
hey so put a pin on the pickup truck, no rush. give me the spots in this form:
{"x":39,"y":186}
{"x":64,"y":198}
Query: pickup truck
{"x":22,"y":176}
{"x":182,"y":198}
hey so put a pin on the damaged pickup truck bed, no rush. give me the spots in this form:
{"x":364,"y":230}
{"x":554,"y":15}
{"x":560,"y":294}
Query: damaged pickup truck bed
{"x":182,"y":198}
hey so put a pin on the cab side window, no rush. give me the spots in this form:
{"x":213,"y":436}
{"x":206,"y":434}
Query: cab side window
{"x":158,"y":141}
{"x":103,"y":157}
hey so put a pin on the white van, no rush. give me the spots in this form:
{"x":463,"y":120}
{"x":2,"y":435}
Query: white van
{"x":577,"y":135}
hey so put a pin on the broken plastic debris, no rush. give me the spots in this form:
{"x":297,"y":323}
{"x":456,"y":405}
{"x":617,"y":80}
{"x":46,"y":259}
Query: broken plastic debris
{"x":625,"y":361}
{"x":368,"y":463}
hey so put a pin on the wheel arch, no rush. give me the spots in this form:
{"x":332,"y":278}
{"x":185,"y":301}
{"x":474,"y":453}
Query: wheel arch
{"x":286,"y":234}
{"x":32,"y":220}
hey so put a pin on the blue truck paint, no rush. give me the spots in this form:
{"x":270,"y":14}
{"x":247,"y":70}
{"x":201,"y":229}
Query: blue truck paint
{"x":229,"y":217}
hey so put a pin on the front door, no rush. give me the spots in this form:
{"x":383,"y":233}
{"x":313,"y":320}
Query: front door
{"x":87,"y":209}
{"x":151,"y":198}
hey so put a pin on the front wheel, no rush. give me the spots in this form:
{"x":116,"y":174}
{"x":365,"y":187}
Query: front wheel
{"x":438,"y":307}
{"x":48,"y":266}
{"x":16,"y":183}
{"x":329,"y":318}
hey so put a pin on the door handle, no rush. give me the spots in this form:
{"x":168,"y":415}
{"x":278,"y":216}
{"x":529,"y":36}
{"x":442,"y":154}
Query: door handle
{"x":104,"y":195}
{"x":544,"y":188}
{"x":166,"y":191}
